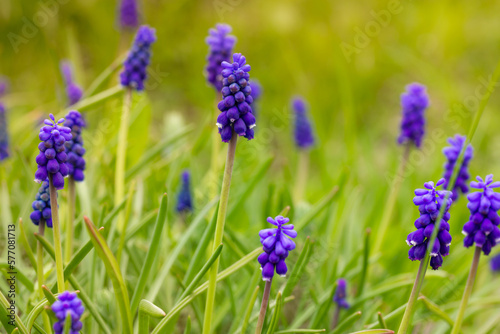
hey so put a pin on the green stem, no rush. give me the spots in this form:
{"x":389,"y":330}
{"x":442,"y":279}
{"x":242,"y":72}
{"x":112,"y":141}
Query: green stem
{"x":263,"y":307}
{"x":219,"y":232}
{"x":57,"y":236}
{"x":302,"y":171}
{"x":39,"y":273}
{"x":68,"y":251}
{"x":143,"y":323}
{"x":405,"y":322}
{"x":121,"y":154}
{"x":467,"y":291}
{"x":336,"y":316}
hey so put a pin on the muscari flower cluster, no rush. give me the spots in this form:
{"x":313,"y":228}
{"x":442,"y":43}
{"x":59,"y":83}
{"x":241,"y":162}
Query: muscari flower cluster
{"x":276,"y":244}
{"x":74,"y":146}
{"x":256,"y":93}
{"x":340,"y":294}
{"x":41,"y":206}
{"x":135,"y":66}
{"x":184,"y":201}
{"x":52,"y":157}
{"x":482,"y":227}
{"x":303,"y":131}
{"x":68,"y":302}
{"x":129,"y":15}
{"x":73,"y":91}
{"x":236,"y":111}
{"x":429,"y":202}
{"x":414,"y":102}
{"x":221,"y":46}
{"x":4,"y":137}
{"x":452,"y":153}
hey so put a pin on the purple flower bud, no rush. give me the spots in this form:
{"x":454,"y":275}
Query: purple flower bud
{"x":74,"y":147}
{"x":303,"y":132}
{"x":41,"y":205}
{"x":68,"y":302}
{"x":414,"y":102}
{"x":184,"y":201}
{"x":221,"y":46}
{"x":73,"y":91}
{"x":4,"y":137}
{"x":129,"y":14}
{"x":340,"y":294}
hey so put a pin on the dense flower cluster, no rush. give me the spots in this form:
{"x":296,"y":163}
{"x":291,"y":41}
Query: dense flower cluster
{"x":236,"y":111}
{"x":303,"y":131}
{"x":276,"y":244}
{"x":74,"y":147}
{"x":52,"y":157}
{"x":129,"y":14}
{"x":429,"y":202}
{"x":340,"y":294}
{"x":41,"y":206}
{"x":256,"y":93}
{"x":482,"y":227}
{"x":73,"y":91}
{"x":184,"y":200}
{"x":414,"y":102}
{"x":221,"y":46}
{"x":135,"y":66}
{"x":4,"y":136}
{"x":68,"y":302}
{"x":452,"y":153}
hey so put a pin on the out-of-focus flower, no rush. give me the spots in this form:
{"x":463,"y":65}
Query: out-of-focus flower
{"x":74,"y":147}
{"x":495,"y":263}
{"x":129,"y":14}
{"x":340,"y":294}
{"x":414,"y":102}
{"x":73,"y":91}
{"x":4,"y":136}
{"x":303,"y":131}
{"x":184,"y":199}
{"x":220,"y":45}
{"x":68,"y":302}
{"x":452,"y":153}
{"x":41,"y":206}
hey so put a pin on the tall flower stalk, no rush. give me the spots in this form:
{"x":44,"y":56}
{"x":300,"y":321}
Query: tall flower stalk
{"x":340,"y":300}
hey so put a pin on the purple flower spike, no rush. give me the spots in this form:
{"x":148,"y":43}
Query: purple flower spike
{"x":68,"y":302}
{"x":414,"y":102}
{"x":184,"y":199}
{"x":4,"y":136}
{"x":52,"y":157}
{"x":482,"y":227}
{"x":256,"y":93}
{"x":129,"y":14}
{"x":340,"y":294}
{"x":221,"y":46}
{"x":74,"y":147}
{"x":41,"y":206}
{"x":303,"y":131}
{"x":495,"y":263}
{"x":135,"y":66}
{"x":236,"y":111}
{"x":73,"y":91}
{"x":429,"y":202}
{"x":452,"y":153}
{"x":276,"y":244}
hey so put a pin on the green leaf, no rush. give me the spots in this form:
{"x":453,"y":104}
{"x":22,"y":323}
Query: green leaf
{"x":48,"y":294}
{"x":249,"y":309}
{"x":375,"y":331}
{"x":26,"y":244}
{"x":92,"y":101}
{"x":348,"y":322}
{"x":366,"y":258}
{"x":300,"y":330}
{"x":276,"y":314}
{"x":381,"y":320}
{"x":318,"y":207}
{"x":106,"y":74}
{"x":299,"y":268}
{"x":434,"y":308}
{"x":188,"y":326}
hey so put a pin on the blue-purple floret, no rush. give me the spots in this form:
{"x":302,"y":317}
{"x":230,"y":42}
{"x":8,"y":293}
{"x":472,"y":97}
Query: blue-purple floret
{"x":303,"y":131}
{"x":495,"y":263}
{"x":68,"y":302}
{"x":482,"y":227}
{"x":52,"y":157}
{"x":276,"y":244}
{"x":73,"y":91}
{"x":129,"y":14}
{"x":74,"y":147}
{"x":4,"y":136}
{"x":452,"y":153}
{"x":236,"y":111}
{"x":429,"y":202}
{"x":221,"y":46}
{"x":184,"y":199}
{"x":341,"y":293}
{"x":41,"y":206}
{"x":414,"y":102}
{"x":135,"y":66}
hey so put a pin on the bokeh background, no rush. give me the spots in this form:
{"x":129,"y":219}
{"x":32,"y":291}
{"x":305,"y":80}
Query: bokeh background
{"x":349,"y":59}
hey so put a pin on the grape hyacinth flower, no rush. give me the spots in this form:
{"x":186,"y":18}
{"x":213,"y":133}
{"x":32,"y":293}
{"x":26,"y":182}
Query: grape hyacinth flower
{"x":276,"y":244}
{"x":452,"y":153}
{"x":236,"y":111}
{"x":221,"y":46}
{"x":135,"y":66}
{"x":340,"y":294}
{"x":68,"y":303}
{"x":495,"y":263}
{"x":184,"y":201}
{"x":41,"y":206}
{"x":4,"y":136}
{"x":256,"y":93}
{"x":303,"y":131}
{"x":73,"y":91}
{"x":74,"y":146}
{"x":482,"y":227}
{"x":429,"y":202}
{"x":52,"y":157}
{"x":129,"y":14}
{"x":414,"y":102}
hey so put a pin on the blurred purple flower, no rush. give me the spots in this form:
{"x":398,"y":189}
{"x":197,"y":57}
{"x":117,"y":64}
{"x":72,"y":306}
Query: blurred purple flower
{"x":4,"y":136}
{"x":340,"y":294}
{"x":452,"y":153}
{"x":73,"y":91}
{"x":414,"y":102}
{"x":495,"y":263}
{"x":184,"y":199}
{"x":74,"y":146}
{"x":129,"y":14}
{"x":303,"y":131}
{"x":221,"y":46}
{"x":68,"y":302}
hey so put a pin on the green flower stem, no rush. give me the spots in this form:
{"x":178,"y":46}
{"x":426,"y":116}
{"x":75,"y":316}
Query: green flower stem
{"x":263,"y":307}
{"x":39,"y":273}
{"x":68,"y":251}
{"x":467,"y":291}
{"x":57,"y":236}
{"x":405,"y":322}
{"x":121,"y":154}
{"x":336,"y":316}
{"x":302,"y":171}
{"x":219,"y":232}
